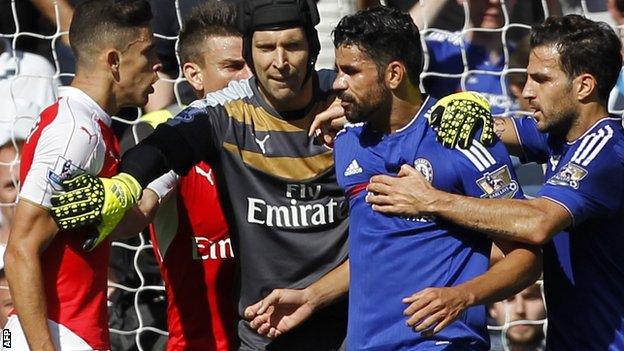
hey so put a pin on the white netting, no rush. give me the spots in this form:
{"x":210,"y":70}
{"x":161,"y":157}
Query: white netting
{"x":141,"y":247}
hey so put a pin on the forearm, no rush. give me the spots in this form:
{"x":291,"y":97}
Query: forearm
{"x":23,"y":271}
{"x":330,"y":287}
{"x":506,"y":219}
{"x":506,"y":132}
{"x":517,"y":270}
{"x":426,"y":13}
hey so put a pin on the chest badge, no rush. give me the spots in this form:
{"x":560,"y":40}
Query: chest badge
{"x":423,"y":166}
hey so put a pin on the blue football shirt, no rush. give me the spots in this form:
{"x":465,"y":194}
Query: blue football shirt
{"x":393,"y":257}
{"x":583,"y":266}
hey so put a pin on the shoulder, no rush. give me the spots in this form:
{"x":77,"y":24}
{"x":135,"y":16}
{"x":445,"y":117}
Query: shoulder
{"x":604,"y":146}
{"x":215,"y":102}
{"x":236,"y":90}
{"x":349,"y":130}
{"x":482,"y":157}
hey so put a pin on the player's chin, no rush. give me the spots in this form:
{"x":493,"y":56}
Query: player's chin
{"x":144,"y":98}
{"x":353,"y":116}
{"x":522,"y":334}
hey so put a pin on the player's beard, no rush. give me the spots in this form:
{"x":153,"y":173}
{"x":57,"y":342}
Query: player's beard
{"x":559,"y":122}
{"x":363,"y":111}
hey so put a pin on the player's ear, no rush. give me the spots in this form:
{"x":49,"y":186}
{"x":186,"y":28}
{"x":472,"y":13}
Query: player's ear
{"x":113,"y":61}
{"x":193,"y":74}
{"x":585,"y":86}
{"x":395,"y":74}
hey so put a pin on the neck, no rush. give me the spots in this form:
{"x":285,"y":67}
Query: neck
{"x":406,"y":101}
{"x":98,"y":87}
{"x":588,"y":115}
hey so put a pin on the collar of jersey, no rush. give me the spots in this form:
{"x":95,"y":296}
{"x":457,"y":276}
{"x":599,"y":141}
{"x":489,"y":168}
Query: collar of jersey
{"x":81,"y":96}
{"x":427,"y":103}
{"x":590,"y":129}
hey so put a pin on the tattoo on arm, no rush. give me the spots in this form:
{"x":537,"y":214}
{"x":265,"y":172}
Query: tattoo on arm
{"x":500,"y":127}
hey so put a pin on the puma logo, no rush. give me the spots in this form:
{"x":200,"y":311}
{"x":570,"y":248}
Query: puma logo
{"x":88,"y":133}
{"x":261,"y":143}
{"x":203,"y":173}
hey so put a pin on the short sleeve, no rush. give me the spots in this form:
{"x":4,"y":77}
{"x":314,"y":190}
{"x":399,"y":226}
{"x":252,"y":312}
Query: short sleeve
{"x":533,"y":142}
{"x":589,"y":189}
{"x":65,"y":148}
{"x":487,"y":172}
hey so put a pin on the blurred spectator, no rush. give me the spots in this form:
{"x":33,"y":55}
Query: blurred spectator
{"x":527,"y":306}
{"x":29,"y":20}
{"x":482,"y":42}
{"x":519,"y":59}
{"x":484,"y":51}
{"x":27,"y":80}
{"x":9,"y":175}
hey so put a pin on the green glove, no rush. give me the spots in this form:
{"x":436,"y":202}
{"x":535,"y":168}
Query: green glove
{"x":457,"y":117}
{"x":95,"y":201}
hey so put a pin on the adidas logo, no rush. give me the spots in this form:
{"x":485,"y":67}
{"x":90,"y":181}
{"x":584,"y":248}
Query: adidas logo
{"x":354,"y":168}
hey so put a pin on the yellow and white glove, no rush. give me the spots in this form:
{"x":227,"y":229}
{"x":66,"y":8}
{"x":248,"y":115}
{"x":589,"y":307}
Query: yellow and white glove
{"x":89,"y":200}
{"x":457,"y":117}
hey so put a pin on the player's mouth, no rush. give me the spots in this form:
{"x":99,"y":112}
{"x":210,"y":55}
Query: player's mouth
{"x":282,"y":80}
{"x":535,"y":109}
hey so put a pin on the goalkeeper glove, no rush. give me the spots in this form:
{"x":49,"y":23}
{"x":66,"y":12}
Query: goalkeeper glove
{"x":95,"y":201}
{"x":457,"y":117}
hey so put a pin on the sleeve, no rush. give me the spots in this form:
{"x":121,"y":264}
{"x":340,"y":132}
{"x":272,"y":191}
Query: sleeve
{"x":589,"y":189}
{"x":193,"y":135}
{"x":487,"y":172}
{"x":163,"y":185}
{"x":533,"y":142}
{"x":59,"y":155}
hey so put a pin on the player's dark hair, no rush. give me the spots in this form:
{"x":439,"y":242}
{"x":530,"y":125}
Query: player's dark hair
{"x":584,"y":46}
{"x":385,"y":35}
{"x":212,"y":18}
{"x":110,"y":22}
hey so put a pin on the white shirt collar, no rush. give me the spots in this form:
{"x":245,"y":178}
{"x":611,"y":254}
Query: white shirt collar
{"x":81,"y":96}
